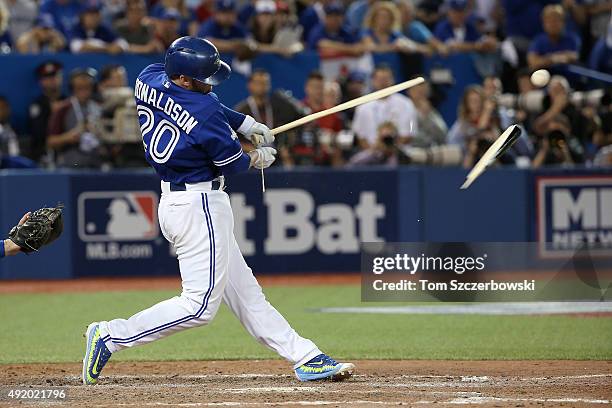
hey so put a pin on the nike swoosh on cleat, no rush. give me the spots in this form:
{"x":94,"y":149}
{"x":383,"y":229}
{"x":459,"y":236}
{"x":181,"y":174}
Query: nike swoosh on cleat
{"x":95,"y":365}
{"x":317,"y":363}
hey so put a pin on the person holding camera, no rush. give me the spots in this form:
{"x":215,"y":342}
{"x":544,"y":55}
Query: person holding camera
{"x":557,"y":101}
{"x":43,"y":37}
{"x":558,"y":146}
{"x":383,"y":151}
{"x":476,"y":113}
{"x":479,"y":143}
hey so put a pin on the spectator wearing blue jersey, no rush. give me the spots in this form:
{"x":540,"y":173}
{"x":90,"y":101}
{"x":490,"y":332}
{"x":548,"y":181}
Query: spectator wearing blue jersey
{"x":65,"y":13}
{"x":187,"y":18}
{"x":90,"y":35}
{"x":247,"y":12}
{"x":223,"y":29}
{"x":312,"y":16}
{"x":523,"y":19}
{"x":459,"y":33}
{"x":556,"y":45}
{"x":330,"y":38}
{"x":575,"y":14}
{"x":415,"y":30}
{"x":382,"y":33}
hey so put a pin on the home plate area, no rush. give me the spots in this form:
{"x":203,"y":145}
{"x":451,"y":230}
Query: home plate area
{"x":377,"y":383}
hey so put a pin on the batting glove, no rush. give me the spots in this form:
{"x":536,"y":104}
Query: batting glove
{"x":259,"y":134}
{"x":262,"y":157}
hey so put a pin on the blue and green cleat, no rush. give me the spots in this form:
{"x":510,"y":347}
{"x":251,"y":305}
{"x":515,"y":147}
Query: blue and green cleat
{"x":96,"y":355}
{"x":324,"y":367}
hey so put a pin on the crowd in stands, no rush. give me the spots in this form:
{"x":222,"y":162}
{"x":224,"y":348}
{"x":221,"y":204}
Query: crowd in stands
{"x":94,"y":125}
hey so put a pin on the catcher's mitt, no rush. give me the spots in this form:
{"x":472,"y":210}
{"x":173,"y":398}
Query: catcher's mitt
{"x":41,"y":228}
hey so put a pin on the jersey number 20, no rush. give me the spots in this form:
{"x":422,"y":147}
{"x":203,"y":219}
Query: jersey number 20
{"x":164,"y":126}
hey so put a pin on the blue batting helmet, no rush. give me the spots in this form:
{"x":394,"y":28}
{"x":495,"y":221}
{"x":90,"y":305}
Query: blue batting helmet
{"x":196,"y":58}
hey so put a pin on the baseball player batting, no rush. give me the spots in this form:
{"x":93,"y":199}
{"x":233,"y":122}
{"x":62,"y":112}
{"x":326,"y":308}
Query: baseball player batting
{"x":190,"y":140}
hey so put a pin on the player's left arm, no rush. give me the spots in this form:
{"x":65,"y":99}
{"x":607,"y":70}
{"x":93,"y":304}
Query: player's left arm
{"x":222,"y":145}
{"x":225,"y":150}
{"x":8,"y":247}
{"x":257,"y":133}
{"x":35,"y":230}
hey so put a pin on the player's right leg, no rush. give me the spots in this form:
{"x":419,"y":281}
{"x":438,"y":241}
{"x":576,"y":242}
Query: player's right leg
{"x":245,"y":298}
{"x":195,"y":223}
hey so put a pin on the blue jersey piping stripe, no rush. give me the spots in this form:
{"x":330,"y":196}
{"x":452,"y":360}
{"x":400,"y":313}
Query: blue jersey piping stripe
{"x":229,"y":159}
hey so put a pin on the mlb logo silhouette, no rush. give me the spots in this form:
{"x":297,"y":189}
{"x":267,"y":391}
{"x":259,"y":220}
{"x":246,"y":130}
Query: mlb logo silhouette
{"x":118,"y":216}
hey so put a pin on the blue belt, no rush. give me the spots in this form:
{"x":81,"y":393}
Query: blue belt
{"x":216,"y":185}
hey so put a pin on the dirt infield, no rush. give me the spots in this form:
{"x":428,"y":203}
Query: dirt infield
{"x":377,"y":383}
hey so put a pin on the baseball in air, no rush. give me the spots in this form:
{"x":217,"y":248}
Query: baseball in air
{"x":540,"y":78}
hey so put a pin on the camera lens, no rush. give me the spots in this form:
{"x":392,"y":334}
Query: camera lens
{"x":555,"y":136}
{"x":388,"y":140}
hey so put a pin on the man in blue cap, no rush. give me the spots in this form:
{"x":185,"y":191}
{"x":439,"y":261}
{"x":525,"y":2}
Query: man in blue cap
{"x":191,"y":140}
{"x":459,"y":33}
{"x":557,"y":45}
{"x":90,"y":35}
{"x":330,"y":38}
{"x":65,"y":13}
{"x":223,"y":29}
{"x":167,"y":27}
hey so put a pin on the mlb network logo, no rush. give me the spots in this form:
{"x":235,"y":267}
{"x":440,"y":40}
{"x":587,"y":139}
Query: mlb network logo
{"x":110,"y":216}
{"x":573,"y":212}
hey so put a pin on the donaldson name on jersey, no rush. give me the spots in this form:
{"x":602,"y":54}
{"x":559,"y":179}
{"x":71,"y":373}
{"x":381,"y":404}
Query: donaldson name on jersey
{"x":188,"y":137}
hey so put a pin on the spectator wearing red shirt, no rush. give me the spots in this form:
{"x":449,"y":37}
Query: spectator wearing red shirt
{"x":315,"y":101}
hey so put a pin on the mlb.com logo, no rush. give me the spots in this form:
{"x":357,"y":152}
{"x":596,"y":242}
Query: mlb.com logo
{"x":574,"y":212}
{"x":110,"y":216}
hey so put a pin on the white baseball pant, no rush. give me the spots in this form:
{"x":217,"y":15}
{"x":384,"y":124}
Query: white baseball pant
{"x":199,"y":223}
